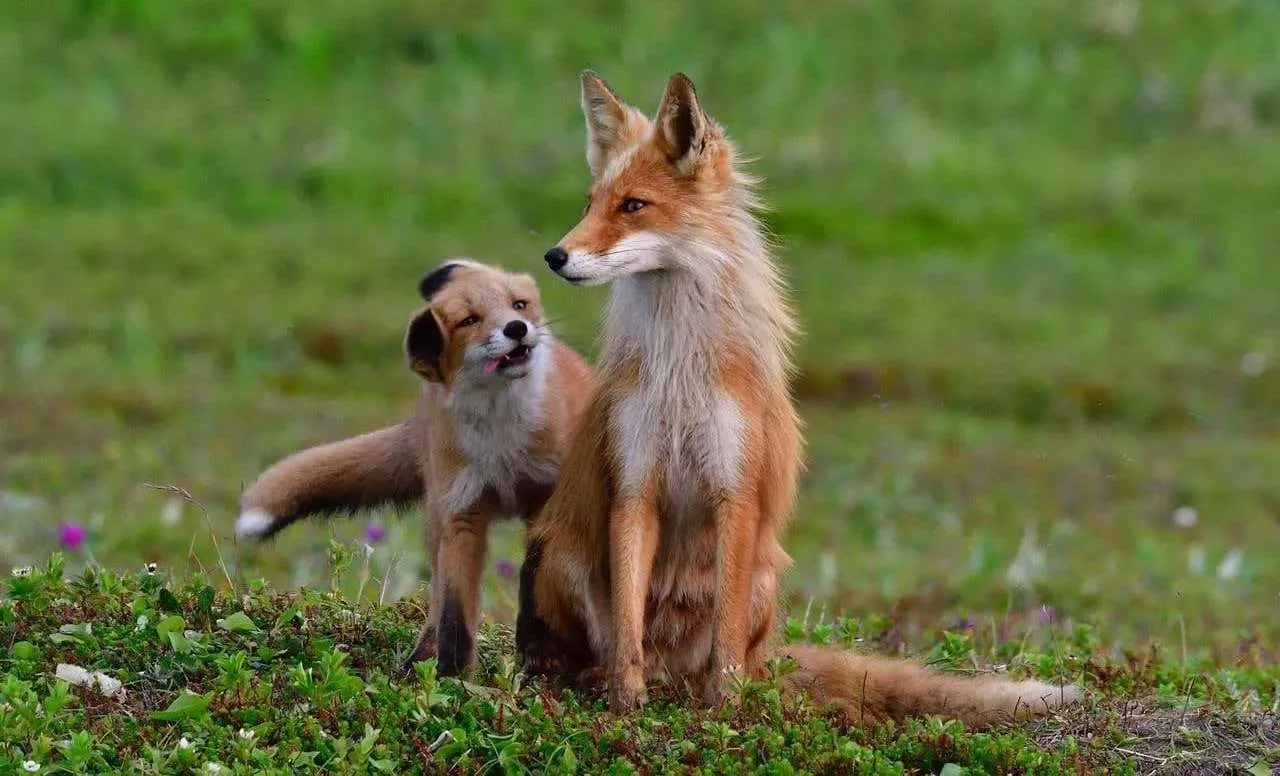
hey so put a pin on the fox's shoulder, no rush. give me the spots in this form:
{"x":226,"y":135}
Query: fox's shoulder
{"x":570,"y":370}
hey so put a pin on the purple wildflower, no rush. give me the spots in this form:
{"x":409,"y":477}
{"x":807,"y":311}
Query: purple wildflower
{"x":374,"y":533}
{"x":1047,"y":615}
{"x":965,"y":624}
{"x":506,"y":569}
{"x":72,"y":535}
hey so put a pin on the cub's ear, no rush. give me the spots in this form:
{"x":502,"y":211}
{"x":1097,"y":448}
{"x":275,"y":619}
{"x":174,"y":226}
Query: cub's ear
{"x":424,"y":345}
{"x":682,"y":126}
{"x":611,"y":123}
{"x":436,"y":279}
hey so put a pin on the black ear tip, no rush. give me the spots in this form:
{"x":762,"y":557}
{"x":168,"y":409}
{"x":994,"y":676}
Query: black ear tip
{"x":679,"y":78}
{"x":435,"y":280}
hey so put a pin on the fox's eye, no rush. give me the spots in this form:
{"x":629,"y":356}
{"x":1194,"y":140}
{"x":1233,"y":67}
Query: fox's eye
{"x":586,"y":205}
{"x":470,"y":320}
{"x":630,"y":205}
{"x":520,"y":304}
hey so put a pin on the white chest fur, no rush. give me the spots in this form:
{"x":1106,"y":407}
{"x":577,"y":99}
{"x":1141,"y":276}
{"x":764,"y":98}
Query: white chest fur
{"x":679,"y":418}
{"x":494,"y":427}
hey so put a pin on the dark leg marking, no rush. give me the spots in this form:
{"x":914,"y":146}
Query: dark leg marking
{"x":424,"y":650}
{"x":454,"y":641}
{"x":542,"y":651}
{"x":532,"y":634}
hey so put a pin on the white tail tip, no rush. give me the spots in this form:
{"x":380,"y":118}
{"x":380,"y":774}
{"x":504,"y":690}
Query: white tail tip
{"x":1030,"y":698}
{"x":253,"y":524}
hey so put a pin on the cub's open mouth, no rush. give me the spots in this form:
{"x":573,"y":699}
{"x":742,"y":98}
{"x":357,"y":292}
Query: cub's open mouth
{"x":518,"y":356}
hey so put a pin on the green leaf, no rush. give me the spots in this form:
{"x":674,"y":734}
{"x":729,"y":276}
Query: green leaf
{"x":1260,"y":768}
{"x":24,"y":650}
{"x":179,"y":642}
{"x":188,"y":705}
{"x":205,"y":600}
{"x":288,"y":614}
{"x":951,"y":769}
{"x":168,"y":602}
{"x":237,"y":623}
{"x":568,"y":759}
{"x":170,"y":629}
{"x":79,"y":632}
{"x":370,"y":738}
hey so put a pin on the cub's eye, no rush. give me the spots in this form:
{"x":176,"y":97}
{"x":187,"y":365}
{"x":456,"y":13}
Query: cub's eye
{"x":470,"y":320}
{"x":630,"y":205}
{"x":520,"y":304}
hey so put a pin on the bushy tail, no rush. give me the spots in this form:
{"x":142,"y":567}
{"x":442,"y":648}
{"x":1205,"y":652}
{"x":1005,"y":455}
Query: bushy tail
{"x":876,"y":689}
{"x":362,"y":472}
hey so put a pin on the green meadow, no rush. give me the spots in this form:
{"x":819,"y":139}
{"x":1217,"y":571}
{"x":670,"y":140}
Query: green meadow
{"x":1030,"y":242}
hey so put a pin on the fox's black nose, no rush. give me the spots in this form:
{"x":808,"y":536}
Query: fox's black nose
{"x":515,"y":330}
{"x":556,"y":258}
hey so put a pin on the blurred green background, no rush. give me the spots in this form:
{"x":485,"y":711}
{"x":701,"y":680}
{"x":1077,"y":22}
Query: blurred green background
{"x":1030,"y":242}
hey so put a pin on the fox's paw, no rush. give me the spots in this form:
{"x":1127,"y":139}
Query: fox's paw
{"x":714,"y":691}
{"x":425,"y":649}
{"x":627,"y":691}
{"x":592,"y":679}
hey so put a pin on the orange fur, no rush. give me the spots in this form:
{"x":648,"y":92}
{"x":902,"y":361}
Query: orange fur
{"x":660,"y":557}
{"x":485,"y":441}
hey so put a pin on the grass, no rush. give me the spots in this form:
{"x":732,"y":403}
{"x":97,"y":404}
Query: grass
{"x":1029,"y":241}
{"x":271,"y":683}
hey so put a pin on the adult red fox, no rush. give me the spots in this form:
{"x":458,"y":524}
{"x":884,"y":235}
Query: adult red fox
{"x":658,"y":554}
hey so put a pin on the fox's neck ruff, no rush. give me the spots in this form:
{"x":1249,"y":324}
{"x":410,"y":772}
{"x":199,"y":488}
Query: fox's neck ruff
{"x":722,"y":294}
{"x":484,"y":406}
{"x":494,"y":427}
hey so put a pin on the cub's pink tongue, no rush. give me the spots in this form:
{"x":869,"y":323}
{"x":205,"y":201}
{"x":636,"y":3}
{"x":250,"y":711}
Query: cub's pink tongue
{"x":491,"y":365}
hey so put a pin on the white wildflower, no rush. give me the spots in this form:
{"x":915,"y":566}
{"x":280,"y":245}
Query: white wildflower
{"x":1029,"y":564}
{"x":150,"y":568}
{"x":1185,"y":516}
{"x":1229,"y":568}
{"x":30,"y":766}
{"x":172,"y":511}
{"x":183,"y":743}
{"x":1195,"y":559}
{"x":247,"y":735}
{"x":827,"y":570}
{"x":1253,"y":363}
{"x":141,"y":622}
{"x":212,"y":768}
{"x":23,"y":571}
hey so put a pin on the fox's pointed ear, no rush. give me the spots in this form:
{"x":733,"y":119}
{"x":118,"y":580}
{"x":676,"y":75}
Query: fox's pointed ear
{"x":608,"y":120}
{"x":681,"y":124}
{"x":424,"y":346}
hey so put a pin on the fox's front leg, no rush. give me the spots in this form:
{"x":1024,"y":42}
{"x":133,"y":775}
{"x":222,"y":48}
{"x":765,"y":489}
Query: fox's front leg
{"x":551,"y":637}
{"x":457,"y":570}
{"x":633,"y":543}
{"x":737,"y":524}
